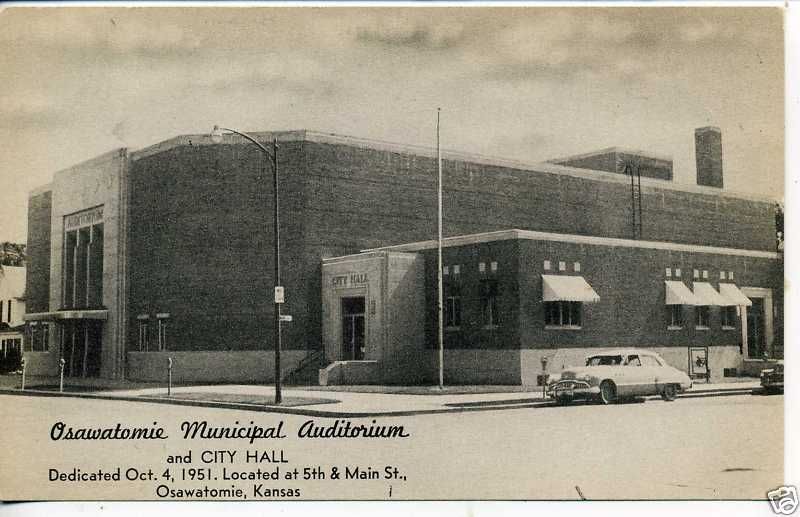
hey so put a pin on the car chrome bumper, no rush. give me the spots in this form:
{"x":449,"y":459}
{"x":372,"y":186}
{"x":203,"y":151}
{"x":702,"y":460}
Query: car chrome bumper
{"x":571,"y":389}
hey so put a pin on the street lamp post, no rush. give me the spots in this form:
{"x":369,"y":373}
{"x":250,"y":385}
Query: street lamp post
{"x":272,"y":156}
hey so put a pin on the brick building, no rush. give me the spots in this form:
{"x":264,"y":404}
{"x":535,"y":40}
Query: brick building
{"x":167,"y":252}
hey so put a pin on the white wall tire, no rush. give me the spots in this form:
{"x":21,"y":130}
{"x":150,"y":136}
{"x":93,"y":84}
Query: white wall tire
{"x":669,"y":392}
{"x":608,"y":392}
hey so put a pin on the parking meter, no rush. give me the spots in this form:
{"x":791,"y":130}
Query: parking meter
{"x":169,"y":376}
{"x":544,"y":376}
{"x":61,"y":364}
{"x":22,"y":365}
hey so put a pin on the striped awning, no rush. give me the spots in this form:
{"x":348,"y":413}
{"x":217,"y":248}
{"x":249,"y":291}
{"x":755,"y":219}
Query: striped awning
{"x":705,"y":294}
{"x":562,"y":288}
{"x":679,"y":294}
{"x":734,"y":295}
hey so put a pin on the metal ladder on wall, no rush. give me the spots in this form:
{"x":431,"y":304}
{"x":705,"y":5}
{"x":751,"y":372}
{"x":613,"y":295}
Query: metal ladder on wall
{"x":632,"y":170}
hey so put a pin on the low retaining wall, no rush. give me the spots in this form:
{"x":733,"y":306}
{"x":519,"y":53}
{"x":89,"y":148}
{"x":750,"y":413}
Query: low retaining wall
{"x":341,"y":373}
{"x":225,"y":366}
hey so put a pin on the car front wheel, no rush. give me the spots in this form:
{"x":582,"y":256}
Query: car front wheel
{"x":669,"y":393}
{"x":608,"y":392}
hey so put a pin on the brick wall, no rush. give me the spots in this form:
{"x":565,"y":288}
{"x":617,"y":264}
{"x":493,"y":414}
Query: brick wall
{"x":614,"y":161}
{"x":201,"y":227}
{"x":376,"y":197}
{"x":37,"y":284}
{"x":708,"y":156}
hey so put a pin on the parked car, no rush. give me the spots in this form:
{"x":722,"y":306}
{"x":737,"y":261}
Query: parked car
{"x":609,"y":376}
{"x":772,"y":378}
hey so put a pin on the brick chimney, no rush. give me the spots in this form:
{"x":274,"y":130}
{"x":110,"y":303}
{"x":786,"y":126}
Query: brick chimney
{"x":708,"y":154}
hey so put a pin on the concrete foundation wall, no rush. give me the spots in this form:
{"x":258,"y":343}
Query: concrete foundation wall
{"x":475,"y":366}
{"x":240,"y":366}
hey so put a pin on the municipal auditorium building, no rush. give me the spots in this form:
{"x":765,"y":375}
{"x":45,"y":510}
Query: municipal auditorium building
{"x":166,"y":252}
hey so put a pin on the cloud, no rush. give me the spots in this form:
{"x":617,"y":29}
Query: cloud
{"x":412,"y":35}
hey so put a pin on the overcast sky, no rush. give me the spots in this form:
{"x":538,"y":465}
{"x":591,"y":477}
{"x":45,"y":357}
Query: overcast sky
{"x":523,"y":83}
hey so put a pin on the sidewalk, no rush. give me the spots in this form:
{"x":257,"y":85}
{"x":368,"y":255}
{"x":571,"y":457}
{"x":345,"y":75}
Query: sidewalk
{"x":367,"y":402}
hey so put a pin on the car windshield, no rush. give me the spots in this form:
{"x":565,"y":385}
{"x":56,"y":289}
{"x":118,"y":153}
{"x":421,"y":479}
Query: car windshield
{"x":604,"y":360}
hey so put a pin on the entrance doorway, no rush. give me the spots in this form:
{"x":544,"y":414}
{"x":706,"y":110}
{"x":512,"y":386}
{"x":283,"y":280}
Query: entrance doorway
{"x":353,"y":328}
{"x":81,"y":342}
{"x":756,"y":341}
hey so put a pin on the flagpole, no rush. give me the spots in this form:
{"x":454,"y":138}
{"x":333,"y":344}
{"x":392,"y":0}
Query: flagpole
{"x":440,"y":302}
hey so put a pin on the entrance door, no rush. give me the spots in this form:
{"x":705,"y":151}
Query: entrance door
{"x":353,"y":328}
{"x":756,"y":345}
{"x":81,"y":344}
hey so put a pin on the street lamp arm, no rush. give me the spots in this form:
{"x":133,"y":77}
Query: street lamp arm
{"x":251,"y":139}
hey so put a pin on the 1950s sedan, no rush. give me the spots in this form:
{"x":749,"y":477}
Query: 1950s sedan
{"x":609,"y":376}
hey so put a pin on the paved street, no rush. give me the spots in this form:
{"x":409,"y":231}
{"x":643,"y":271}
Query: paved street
{"x":716,"y":447}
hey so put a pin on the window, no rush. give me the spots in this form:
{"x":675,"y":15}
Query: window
{"x":144,"y":333}
{"x":678,"y":272}
{"x":604,"y":360}
{"x":576,"y":267}
{"x":674,"y":317}
{"x":633,"y":360}
{"x":562,"y":266}
{"x":162,"y":331}
{"x":728,"y":317}
{"x":701,"y":316}
{"x":546,"y":265}
{"x":489,"y":292}
{"x":452,"y":312}
{"x":9,"y":312}
{"x":722,"y":275}
{"x":669,"y":272}
{"x":696,"y":274}
{"x":457,"y":269}
{"x":563,"y":314}
{"x":482,"y":267}
{"x":39,"y":338}
{"x":1,"y":311}
{"x":649,"y":360}
{"x":493,"y":266}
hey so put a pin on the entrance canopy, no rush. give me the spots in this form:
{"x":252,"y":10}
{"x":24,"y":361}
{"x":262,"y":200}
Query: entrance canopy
{"x":734,"y":295}
{"x":707,"y":295}
{"x":562,"y":288}
{"x":86,"y":314}
{"x":679,"y":294}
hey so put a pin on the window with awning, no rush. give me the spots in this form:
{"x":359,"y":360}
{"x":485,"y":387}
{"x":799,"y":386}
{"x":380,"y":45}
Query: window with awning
{"x":706,"y":295}
{"x":734,"y":295}
{"x":563,"y":288}
{"x":678,"y":294}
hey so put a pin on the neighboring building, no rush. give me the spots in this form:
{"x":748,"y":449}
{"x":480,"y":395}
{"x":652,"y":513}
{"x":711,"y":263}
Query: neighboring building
{"x":135,"y":257}
{"x":12,"y":310}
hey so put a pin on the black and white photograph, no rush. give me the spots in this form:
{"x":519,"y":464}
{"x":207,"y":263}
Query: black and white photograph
{"x":282,"y":252}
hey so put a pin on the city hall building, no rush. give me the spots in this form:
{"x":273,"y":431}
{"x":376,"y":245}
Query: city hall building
{"x":167,"y":252}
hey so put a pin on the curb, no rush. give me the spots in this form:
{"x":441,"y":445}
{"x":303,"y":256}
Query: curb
{"x":524,"y":404}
